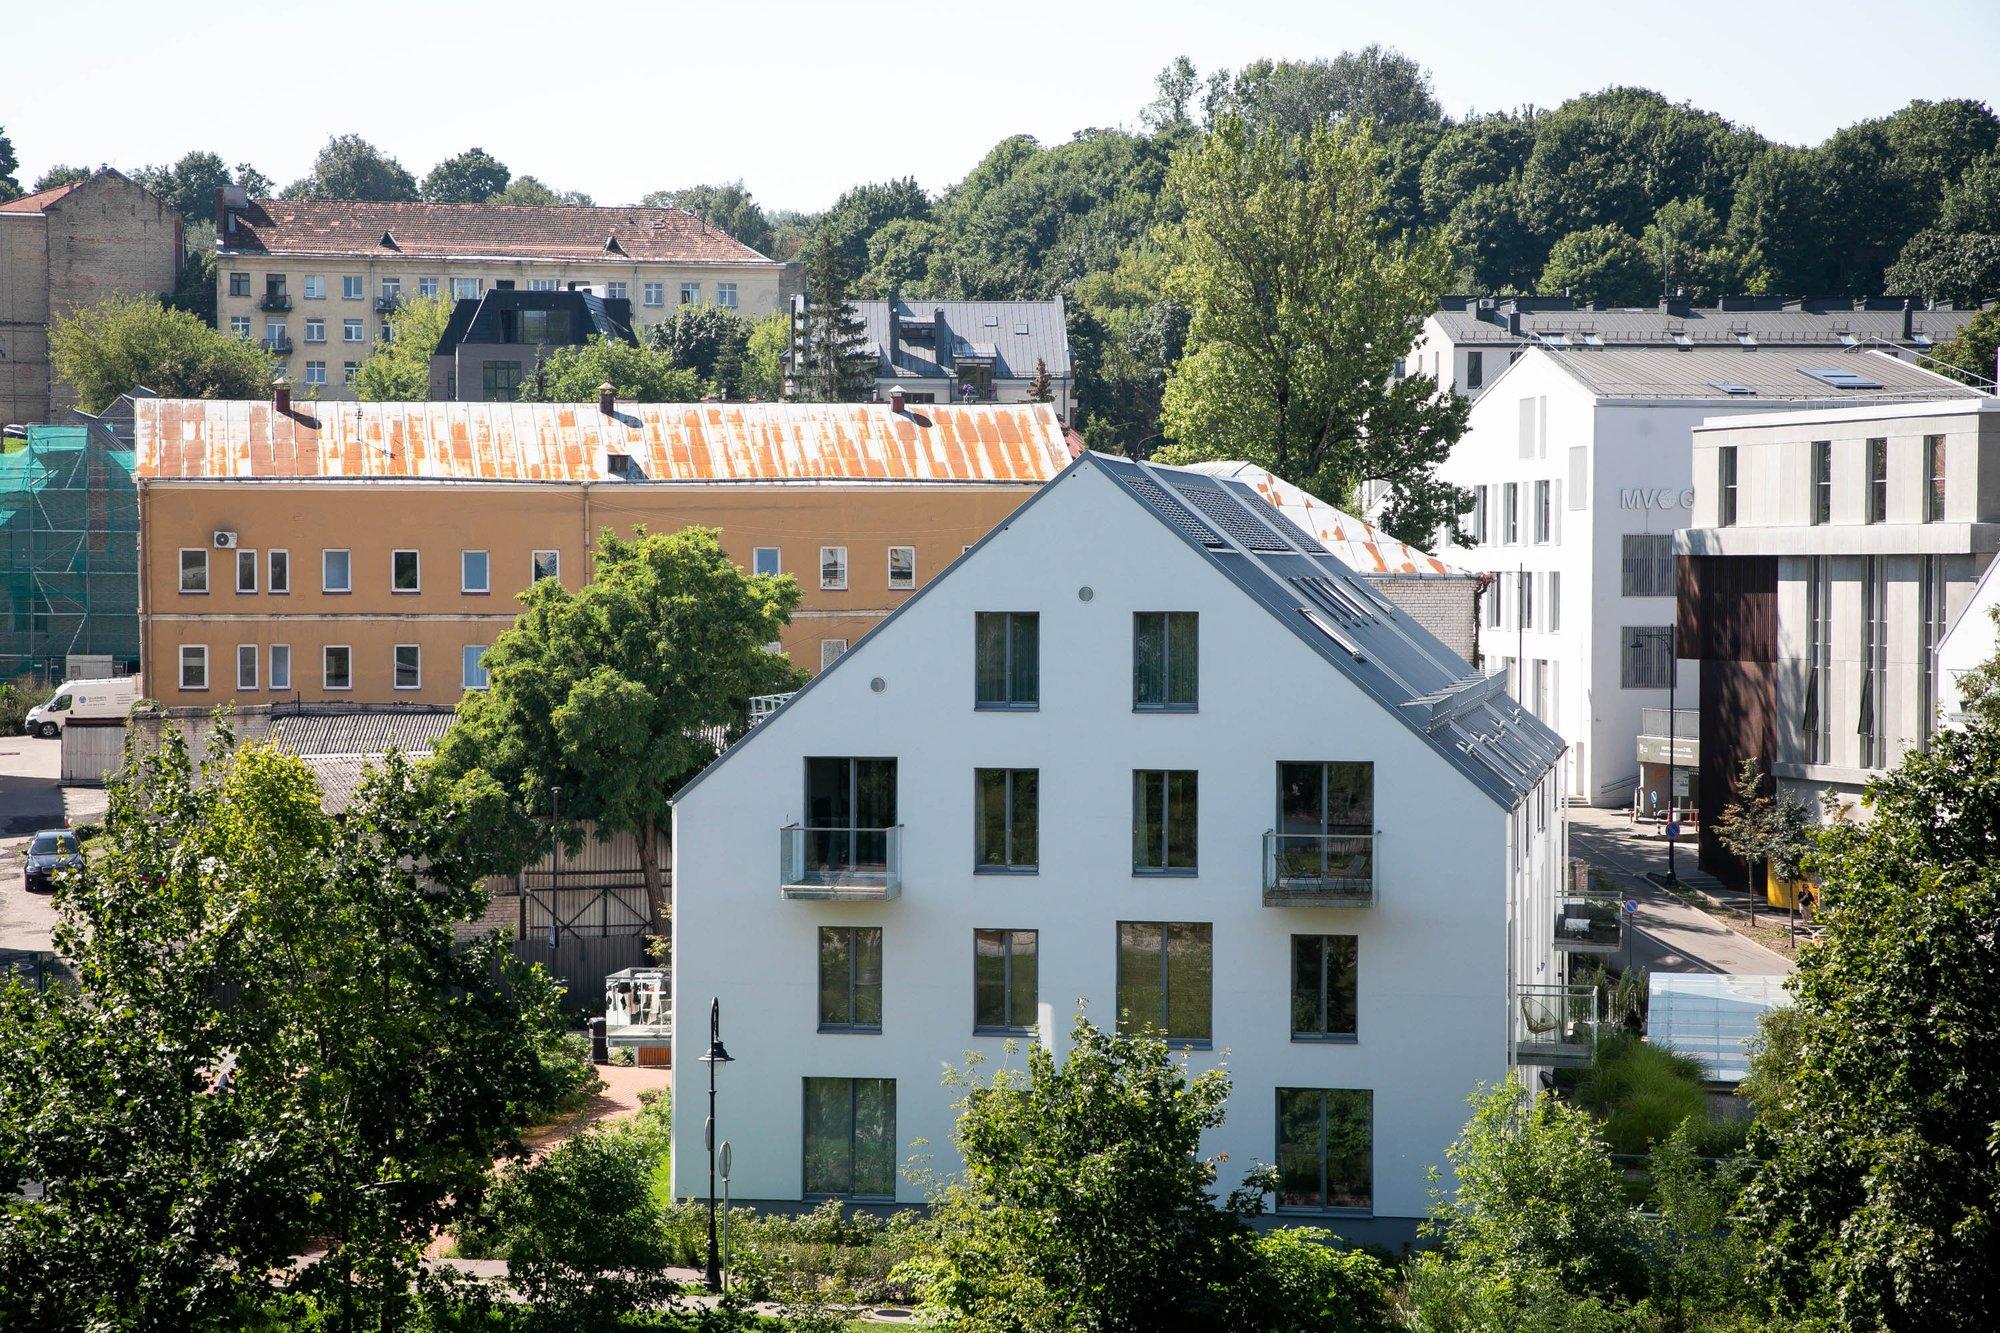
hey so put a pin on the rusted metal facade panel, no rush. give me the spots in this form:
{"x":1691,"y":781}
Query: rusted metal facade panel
{"x":1728,"y":621}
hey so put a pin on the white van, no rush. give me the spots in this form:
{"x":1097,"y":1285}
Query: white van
{"x":83,"y":698}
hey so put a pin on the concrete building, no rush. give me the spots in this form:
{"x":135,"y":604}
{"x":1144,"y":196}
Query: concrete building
{"x":1469,"y":340}
{"x":494,"y":342}
{"x":1581,"y":468}
{"x":1827,"y":552}
{"x":1251,"y":752}
{"x":969,"y":351}
{"x":369,"y":553}
{"x":64,"y":249}
{"x":316,"y":280}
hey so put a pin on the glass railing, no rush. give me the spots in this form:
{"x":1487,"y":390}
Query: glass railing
{"x":1555,"y":1025}
{"x":1591,"y":925}
{"x":840,"y":862}
{"x":1319,"y":869}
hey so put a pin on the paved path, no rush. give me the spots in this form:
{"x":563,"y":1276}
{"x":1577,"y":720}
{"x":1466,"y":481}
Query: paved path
{"x":30,"y":800}
{"x":1670,"y":935}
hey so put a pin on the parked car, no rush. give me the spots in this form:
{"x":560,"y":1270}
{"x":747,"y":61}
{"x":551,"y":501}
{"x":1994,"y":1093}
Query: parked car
{"x":112,"y":697}
{"x":49,"y":851}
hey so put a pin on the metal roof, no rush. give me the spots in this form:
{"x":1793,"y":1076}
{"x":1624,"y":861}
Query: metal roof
{"x":1771,"y":374}
{"x":412,"y":730}
{"x":1012,"y":334}
{"x":1651,"y":326}
{"x":1712,"y":1017}
{"x":202,"y":439}
{"x":1360,"y":546}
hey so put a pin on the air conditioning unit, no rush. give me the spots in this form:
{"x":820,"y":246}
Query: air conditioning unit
{"x":225,"y":541}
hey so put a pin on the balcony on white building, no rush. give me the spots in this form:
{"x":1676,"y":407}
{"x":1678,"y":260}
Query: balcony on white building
{"x":1555,"y":1025}
{"x":1588,"y":925}
{"x":1319,"y":869}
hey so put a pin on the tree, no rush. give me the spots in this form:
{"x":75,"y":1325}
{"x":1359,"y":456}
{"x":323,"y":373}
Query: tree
{"x":1877,"y":1195}
{"x":615,"y":692}
{"x":1504,"y":253}
{"x":1175,"y":86}
{"x":832,"y":361}
{"x":350,"y":167}
{"x":1938,"y":265}
{"x":728,"y":206}
{"x":864,"y":210}
{"x":399,"y":369}
{"x":1290,"y":97}
{"x":636,"y":374}
{"x":1975,"y":348}
{"x":1602,"y":264}
{"x":527,"y":191}
{"x":1781,"y":220}
{"x":1688,"y":248}
{"x":10,"y":188}
{"x":60,"y":174}
{"x":1301,"y":305}
{"x":189,"y":185}
{"x":1039,"y":388}
{"x":763,"y":371}
{"x":194,"y":291}
{"x":699,"y":338}
{"x":472,"y":177}
{"x":1125,"y":332}
{"x":125,"y":342}
{"x":275,"y":1042}
{"x":1972,"y":203}
{"x":1488,"y":151}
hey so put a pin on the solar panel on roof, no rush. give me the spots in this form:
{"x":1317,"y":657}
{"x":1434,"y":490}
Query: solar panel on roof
{"x":1223,"y":510}
{"x":1840,"y":379}
{"x":1729,"y":388}
{"x":1174,"y":511}
{"x":1332,"y":596}
{"x":1307,"y":542}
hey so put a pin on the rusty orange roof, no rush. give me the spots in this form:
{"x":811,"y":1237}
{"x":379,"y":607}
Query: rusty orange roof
{"x":192,"y":439}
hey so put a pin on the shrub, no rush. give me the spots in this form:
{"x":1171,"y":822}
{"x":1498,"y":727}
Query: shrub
{"x":1641,"y":1092}
{"x":16,"y":698}
{"x":1306,"y":1283}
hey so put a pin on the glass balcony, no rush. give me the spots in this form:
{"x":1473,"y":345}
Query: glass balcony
{"x":842,"y":864}
{"x":1555,"y":1025}
{"x":1319,"y":869}
{"x":1588,"y":925}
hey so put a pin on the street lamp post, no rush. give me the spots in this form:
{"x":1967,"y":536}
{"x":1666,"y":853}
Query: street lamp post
{"x":717,"y":1055}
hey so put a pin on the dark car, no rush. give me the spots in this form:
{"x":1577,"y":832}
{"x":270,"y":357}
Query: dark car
{"x":51,"y":849}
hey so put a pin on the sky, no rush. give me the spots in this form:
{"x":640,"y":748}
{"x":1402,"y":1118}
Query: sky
{"x":801,"y":99}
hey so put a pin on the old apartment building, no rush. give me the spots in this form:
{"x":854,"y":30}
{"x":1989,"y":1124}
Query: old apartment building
{"x":369,"y":552}
{"x":61,"y":250}
{"x":316,"y":280}
{"x":968,"y":351}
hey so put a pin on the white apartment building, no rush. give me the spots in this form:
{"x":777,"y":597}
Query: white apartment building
{"x":1828,"y":552}
{"x":1245,"y":756}
{"x":1580,"y":464}
{"x":1970,"y":640}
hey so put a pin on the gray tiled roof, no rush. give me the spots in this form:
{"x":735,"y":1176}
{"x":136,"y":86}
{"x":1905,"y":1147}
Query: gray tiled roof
{"x":1772,"y":374}
{"x":411,"y":730}
{"x":972,"y":334}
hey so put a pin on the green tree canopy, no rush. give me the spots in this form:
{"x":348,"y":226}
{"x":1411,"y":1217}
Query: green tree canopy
{"x":125,"y":342}
{"x":1292,"y":97}
{"x":1688,"y":243}
{"x":10,"y":188}
{"x":1488,"y":151}
{"x":1301,"y":303}
{"x":615,"y":693}
{"x":61,"y":174}
{"x":471,"y":177}
{"x":862,"y":211}
{"x":1973,"y":348}
{"x":1602,"y":264}
{"x":526,"y":190}
{"x":399,"y":369}
{"x":636,"y":374}
{"x":764,"y":357}
{"x":699,"y":338}
{"x":350,"y":167}
{"x":728,"y":206}
{"x":1938,"y":265}
{"x":1972,"y":203}
{"x":191,"y":182}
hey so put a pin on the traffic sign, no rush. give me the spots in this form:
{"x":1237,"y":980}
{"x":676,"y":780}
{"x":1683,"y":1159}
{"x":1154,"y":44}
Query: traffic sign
{"x":1673,"y":832}
{"x":1631,"y":907}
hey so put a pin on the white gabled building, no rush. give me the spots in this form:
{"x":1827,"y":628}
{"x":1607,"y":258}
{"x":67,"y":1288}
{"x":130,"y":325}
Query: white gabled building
{"x":1145,"y":747}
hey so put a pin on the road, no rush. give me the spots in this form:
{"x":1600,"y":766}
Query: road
{"x":1668,"y":934}
{"x":31,"y":799}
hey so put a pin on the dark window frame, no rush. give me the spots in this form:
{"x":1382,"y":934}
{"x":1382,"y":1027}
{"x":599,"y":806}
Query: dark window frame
{"x":1876,"y":482}
{"x":1934,"y":479}
{"x":856,"y":986}
{"x":1321,"y":987}
{"x":1179,"y":636}
{"x":1324,"y":1206}
{"x":1008,"y":941}
{"x":1167,"y":869}
{"x":1822,"y":483}
{"x":1726,"y":481}
{"x":1010,"y":798}
{"x":1012,"y":641}
{"x":854,"y":1090}
{"x":1202,"y":931}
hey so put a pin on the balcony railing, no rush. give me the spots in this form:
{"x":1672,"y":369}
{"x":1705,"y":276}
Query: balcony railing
{"x":1319,"y":869}
{"x":1555,"y":1025}
{"x":1588,"y":925}
{"x":763,"y":705}
{"x":859,"y":864}
{"x":275,"y":301}
{"x":279,"y":344}
{"x":388,"y":304}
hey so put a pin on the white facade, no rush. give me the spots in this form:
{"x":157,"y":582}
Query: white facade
{"x":1968,"y":642}
{"x":1455,"y":924}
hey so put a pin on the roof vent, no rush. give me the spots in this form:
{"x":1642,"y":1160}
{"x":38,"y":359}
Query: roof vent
{"x":623,"y":466}
{"x":281,"y":396}
{"x":607,"y":399}
{"x":611,"y":246}
{"x":896,"y":399}
{"x":389,"y":240}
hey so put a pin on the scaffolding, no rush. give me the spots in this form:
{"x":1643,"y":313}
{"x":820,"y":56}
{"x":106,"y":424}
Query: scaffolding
{"x":69,"y":554}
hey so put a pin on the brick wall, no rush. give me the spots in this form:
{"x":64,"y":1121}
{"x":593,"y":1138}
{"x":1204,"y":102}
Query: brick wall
{"x":105,"y":237}
{"x":1444,"y":606}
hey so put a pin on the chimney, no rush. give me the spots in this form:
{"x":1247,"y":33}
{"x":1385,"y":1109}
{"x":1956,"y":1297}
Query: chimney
{"x":1514,"y":323}
{"x":607,"y":400}
{"x":281,"y":396}
{"x":1906,"y":319}
{"x":940,"y":338}
{"x":896,"y":400}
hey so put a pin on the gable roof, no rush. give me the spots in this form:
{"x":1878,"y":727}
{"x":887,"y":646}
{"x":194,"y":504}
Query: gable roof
{"x":1771,"y":374}
{"x":198,"y":439}
{"x":1361,"y":546}
{"x":40,"y":200}
{"x":353,"y":228}
{"x":1013,"y":334}
{"x":1468,"y":719}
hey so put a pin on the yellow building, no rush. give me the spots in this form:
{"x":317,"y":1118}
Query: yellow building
{"x":369,"y":552}
{"x":316,"y":280}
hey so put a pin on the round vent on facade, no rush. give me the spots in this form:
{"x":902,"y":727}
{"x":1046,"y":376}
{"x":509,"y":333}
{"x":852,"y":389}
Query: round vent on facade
{"x":878,"y":685}
{"x":1085,"y":593}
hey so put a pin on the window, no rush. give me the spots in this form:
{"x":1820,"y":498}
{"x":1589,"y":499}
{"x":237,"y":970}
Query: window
{"x":239,"y":284}
{"x":654,"y":293}
{"x":1579,"y":476}
{"x":1008,"y":820}
{"x":315,"y":372}
{"x":246,"y":571}
{"x":391,"y":292}
{"x":246,"y":666}
{"x":1819,"y":658}
{"x":1510,"y":512}
{"x":194,"y":569}
{"x":194,"y":666}
{"x":350,"y":287}
{"x":427,"y":287}
{"x":336,"y":668}
{"x":850,"y":1138}
{"x":500,"y":381}
{"x":465,"y":289}
{"x":1004,"y":969}
{"x":1326,"y":1148}
{"x":1165,"y":660}
{"x":274,"y":335}
{"x":1166,"y":977}
{"x":1874,"y":660}
{"x":472,"y":667}
{"x":404,"y":572}
{"x":690,"y":293}
{"x":1008,"y":649}
{"x":1553,"y":615}
{"x":1325,"y":834}
{"x":1164,"y":816}
{"x":1479,"y":515}
{"x":351,"y":331}
{"x":1489,"y":604}
{"x":1725,"y":486}
{"x":902,"y":566}
{"x":1646,"y":657}
{"x":278,"y":565}
{"x":409,"y":666}
{"x":1648,"y":564}
{"x":1534,"y":415}
{"x":547,"y":565}
{"x":1841,"y":379}
{"x":850,"y":978}
{"x":1524,"y":598}
{"x":1934,"y":491}
{"x":764,"y":560}
{"x":315,"y":286}
{"x":1544,"y":515}
{"x":474,"y":572}
{"x":336,"y":570}
{"x":386,"y":331}
{"x":725,"y":295}
{"x":1475,"y":370}
{"x":315,"y":330}
{"x":831,"y":651}
{"x":239,"y":326}
{"x":350,"y":371}
{"x":832,"y":568}
{"x":1878,"y":480}
{"x":1932,"y":595}
{"x":1323,"y":987}
{"x":281,"y":666}
{"x":1822,"y":481}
